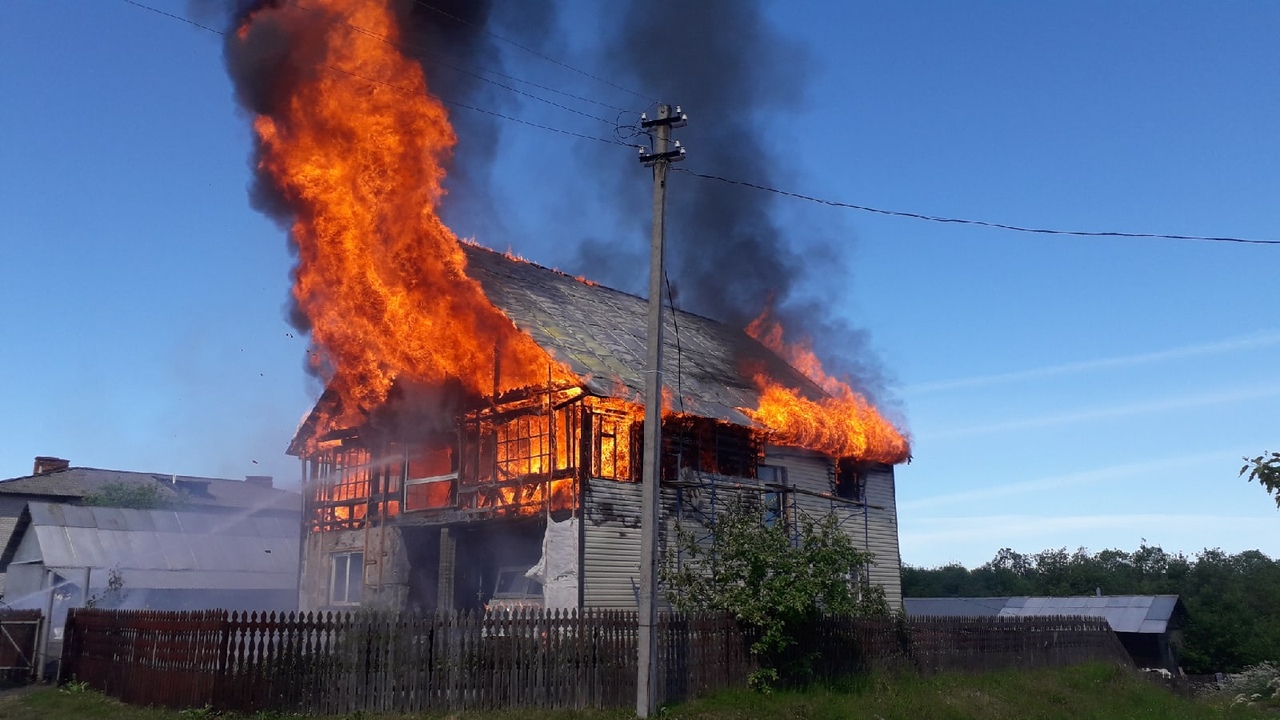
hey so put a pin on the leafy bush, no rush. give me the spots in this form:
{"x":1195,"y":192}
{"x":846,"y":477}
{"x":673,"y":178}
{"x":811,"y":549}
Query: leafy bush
{"x":1257,"y":686}
{"x":773,"y":579}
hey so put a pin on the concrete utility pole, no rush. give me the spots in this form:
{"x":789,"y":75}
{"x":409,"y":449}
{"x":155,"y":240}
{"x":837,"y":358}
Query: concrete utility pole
{"x":661,"y":157}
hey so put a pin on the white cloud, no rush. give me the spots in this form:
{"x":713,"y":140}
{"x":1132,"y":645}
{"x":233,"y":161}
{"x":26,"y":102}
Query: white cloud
{"x":1260,"y":339}
{"x":1075,"y":479}
{"x":1249,"y":394}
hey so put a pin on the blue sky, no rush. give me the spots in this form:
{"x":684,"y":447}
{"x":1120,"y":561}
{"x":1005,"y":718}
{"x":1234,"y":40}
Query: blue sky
{"x":1061,"y":391}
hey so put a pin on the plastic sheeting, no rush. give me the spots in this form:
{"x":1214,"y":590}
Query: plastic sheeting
{"x":558,"y":568}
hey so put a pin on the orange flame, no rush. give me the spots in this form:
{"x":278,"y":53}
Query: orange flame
{"x":358,"y":150}
{"x":844,"y":424}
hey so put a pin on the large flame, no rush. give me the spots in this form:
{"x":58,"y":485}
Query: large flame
{"x":843,"y":424}
{"x":357,"y":148}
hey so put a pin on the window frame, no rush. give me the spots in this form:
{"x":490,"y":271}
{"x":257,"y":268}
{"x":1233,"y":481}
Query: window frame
{"x":347,"y":559}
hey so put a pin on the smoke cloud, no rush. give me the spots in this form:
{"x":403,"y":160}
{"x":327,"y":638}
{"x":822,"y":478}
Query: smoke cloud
{"x":728,"y":255}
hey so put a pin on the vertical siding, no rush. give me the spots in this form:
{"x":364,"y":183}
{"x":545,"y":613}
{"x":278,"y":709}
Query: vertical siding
{"x":873,"y":530}
{"x":883,"y":530}
{"x":611,"y":527}
{"x":611,"y":544}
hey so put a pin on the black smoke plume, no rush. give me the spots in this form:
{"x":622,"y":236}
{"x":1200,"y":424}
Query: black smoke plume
{"x":728,"y":255}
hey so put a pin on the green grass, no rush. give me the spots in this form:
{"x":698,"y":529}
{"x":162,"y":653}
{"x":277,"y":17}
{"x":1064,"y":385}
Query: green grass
{"x":1089,"y":691}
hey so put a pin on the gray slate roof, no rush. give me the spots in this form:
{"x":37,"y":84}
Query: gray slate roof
{"x":1125,"y":613}
{"x":76,"y":482}
{"x":158,"y":548}
{"x":600,"y":333}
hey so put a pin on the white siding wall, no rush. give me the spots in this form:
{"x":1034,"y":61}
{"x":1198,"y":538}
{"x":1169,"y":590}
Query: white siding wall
{"x":882,"y":528}
{"x":872,"y":529}
{"x":611,"y":530}
{"x":611,"y":544}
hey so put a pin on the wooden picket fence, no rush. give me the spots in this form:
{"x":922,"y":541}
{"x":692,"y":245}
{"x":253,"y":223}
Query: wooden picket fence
{"x":330,"y":663}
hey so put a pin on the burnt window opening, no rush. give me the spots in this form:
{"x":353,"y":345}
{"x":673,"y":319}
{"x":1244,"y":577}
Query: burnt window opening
{"x":346,"y":487}
{"x":431,"y":471}
{"x":519,"y":458}
{"x":611,"y":444}
{"x":708,"y":446}
{"x":851,"y":480}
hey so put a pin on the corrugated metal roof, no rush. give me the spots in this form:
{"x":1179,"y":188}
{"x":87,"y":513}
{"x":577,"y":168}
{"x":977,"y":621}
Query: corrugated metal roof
{"x":600,"y":334}
{"x":1125,"y":613}
{"x":954,"y":607}
{"x":166,"y":548}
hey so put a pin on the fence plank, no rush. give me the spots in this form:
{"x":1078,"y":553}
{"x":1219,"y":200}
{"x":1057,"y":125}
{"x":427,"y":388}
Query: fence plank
{"x":326,"y":663}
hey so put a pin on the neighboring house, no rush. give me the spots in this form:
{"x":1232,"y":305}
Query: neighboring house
{"x":151,"y":559}
{"x":451,"y":503}
{"x":1149,"y":626}
{"x":55,"y":480}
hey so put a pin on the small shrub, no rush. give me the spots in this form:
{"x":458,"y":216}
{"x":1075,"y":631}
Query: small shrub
{"x":75,"y":688}
{"x":1256,"y":686}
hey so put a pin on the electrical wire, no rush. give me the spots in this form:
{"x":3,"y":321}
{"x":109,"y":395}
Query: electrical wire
{"x":537,"y":54}
{"x":960,"y":221}
{"x":621,"y":136}
{"x":419,"y":50}
{"x":675,"y":322}
{"x":393,"y":86}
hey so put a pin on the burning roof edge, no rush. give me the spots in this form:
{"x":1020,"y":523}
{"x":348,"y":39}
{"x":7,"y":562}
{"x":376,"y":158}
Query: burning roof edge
{"x":599,"y":332}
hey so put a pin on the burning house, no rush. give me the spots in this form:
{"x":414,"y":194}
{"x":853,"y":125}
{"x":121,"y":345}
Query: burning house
{"x":442,"y":499}
{"x":478,"y":439}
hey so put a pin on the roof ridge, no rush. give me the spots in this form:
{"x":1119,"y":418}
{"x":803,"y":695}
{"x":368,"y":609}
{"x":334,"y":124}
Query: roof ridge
{"x":521,"y":260}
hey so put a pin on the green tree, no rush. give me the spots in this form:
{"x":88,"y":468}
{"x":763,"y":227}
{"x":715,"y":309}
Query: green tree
{"x":1266,"y":470}
{"x":1232,"y":601}
{"x":774,"y":579}
{"x":139,"y":496}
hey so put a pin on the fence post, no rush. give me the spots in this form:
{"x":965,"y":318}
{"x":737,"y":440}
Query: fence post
{"x":70,"y":649}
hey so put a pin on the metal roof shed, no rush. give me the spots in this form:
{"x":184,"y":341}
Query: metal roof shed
{"x":165,"y":559}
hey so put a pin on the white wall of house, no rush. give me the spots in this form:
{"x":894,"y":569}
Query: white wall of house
{"x":611,"y":527}
{"x":873,"y":525}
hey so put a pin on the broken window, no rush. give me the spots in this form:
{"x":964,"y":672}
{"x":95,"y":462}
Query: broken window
{"x":708,"y":446}
{"x":611,"y":445}
{"x":850,"y":480}
{"x":347,"y":581}
{"x":522,"y":456}
{"x":431,"y":476}
{"x":344,"y":486}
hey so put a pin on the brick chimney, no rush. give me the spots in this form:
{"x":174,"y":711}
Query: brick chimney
{"x":47,"y":464}
{"x":262,"y":481}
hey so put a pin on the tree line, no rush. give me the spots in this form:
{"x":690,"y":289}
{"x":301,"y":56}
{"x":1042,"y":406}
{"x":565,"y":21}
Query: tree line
{"x":1233,"y":601}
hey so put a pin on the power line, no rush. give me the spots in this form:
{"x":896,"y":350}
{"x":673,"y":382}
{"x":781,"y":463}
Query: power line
{"x":537,"y":54}
{"x":619,"y":138}
{"x":393,"y":86}
{"x":960,"y":221}
{"x":404,"y":47}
